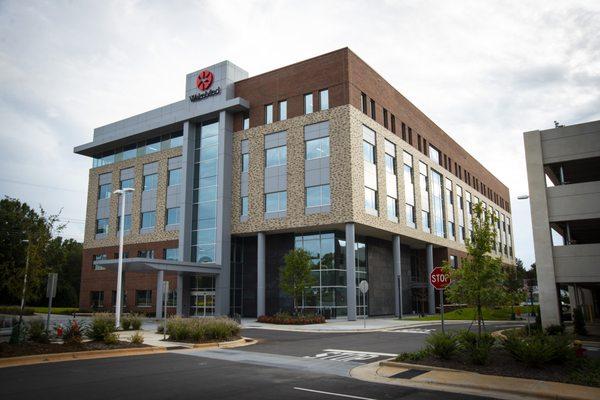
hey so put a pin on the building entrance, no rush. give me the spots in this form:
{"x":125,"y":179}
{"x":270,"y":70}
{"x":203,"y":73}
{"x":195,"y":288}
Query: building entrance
{"x":202,"y":303}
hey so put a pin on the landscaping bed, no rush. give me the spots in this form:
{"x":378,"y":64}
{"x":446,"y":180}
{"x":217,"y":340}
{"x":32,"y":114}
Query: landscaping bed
{"x":202,"y":330}
{"x":468,"y":314}
{"x":287,"y":319}
{"x":33,"y":348}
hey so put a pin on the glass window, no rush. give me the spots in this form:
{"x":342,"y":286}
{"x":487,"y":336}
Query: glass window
{"x":129,"y":152}
{"x":126,"y":223}
{"x":438,"y":204}
{"x":324,"y":99}
{"x":104,"y":191}
{"x":102,"y":226}
{"x":143,"y":298}
{"x":308,"y":103}
{"x":276,"y":156}
{"x":148,"y":219}
{"x":97,"y":299}
{"x":153,"y":145}
{"x":244,"y":207}
{"x":269,"y":114}
{"x":176,"y":139}
{"x":171,"y":254}
{"x":174,"y":177}
{"x":392,"y":208}
{"x":276,"y":202}
{"x":409,"y":190}
{"x":370,"y":199}
{"x":390,"y":164}
{"x":245,"y":162}
{"x":434,"y":154}
{"x":98,"y":257}
{"x":172,"y":216}
{"x":373,"y":112}
{"x":150,"y":182}
{"x":424,"y":183}
{"x":246,"y":122}
{"x":363,"y":103}
{"x":317,"y":148}
{"x":317,"y":196}
{"x":127,"y":183}
{"x":368,"y":152}
{"x":283,"y":110}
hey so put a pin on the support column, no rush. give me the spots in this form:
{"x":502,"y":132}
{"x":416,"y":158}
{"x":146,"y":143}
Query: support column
{"x":180,"y":294}
{"x":397,"y":277}
{"x":430,"y":289}
{"x":260,"y":275}
{"x":160,"y":276}
{"x":350,"y":273}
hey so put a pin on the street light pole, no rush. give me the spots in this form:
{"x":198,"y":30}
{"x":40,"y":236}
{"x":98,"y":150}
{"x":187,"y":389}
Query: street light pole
{"x":123,"y":192}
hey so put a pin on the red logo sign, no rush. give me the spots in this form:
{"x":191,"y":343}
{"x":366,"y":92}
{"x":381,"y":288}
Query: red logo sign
{"x":438,"y":279}
{"x":204,"y":80}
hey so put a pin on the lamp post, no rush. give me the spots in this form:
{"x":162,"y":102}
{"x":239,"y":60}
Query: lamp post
{"x":123,"y":192}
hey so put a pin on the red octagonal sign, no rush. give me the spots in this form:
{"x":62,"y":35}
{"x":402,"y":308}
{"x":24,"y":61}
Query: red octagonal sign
{"x":204,"y":80}
{"x":439,"y":279}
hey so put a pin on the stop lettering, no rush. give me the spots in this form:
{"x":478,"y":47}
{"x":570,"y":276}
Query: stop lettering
{"x":439,"y":279}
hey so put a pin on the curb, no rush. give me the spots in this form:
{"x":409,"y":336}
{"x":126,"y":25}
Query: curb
{"x":225,"y":345}
{"x":591,"y":392}
{"x":76,"y":355}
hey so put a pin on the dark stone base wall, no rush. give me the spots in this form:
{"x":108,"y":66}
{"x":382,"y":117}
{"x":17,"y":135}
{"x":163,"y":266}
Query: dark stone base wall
{"x":381,"y":277}
{"x":277,"y":246}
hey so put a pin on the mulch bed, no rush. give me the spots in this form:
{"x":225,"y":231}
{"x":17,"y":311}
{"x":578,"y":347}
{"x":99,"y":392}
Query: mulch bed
{"x":33,"y":348}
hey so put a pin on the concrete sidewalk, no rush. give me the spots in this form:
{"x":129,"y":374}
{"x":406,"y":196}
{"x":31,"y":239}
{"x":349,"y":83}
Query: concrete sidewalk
{"x":418,"y":376}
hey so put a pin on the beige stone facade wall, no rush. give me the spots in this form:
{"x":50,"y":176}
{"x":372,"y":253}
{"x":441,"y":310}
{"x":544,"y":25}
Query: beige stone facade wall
{"x":346,"y":179}
{"x":112,"y":239}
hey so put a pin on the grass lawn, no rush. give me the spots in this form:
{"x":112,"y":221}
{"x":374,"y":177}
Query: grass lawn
{"x":496,"y":314}
{"x":56,"y":310}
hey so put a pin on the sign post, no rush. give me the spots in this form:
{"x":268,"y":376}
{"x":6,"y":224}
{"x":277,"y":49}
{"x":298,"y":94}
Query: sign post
{"x":363,"y":286}
{"x":439,"y":280}
{"x":50,"y":294}
{"x":165,"y":297}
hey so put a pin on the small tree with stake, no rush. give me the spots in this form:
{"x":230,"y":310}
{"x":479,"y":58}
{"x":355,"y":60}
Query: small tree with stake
{"x":480,"y":281}
{"x":296,"y":276}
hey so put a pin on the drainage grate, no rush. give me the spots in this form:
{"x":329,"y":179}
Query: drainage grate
{"x":409,"y":373}
{"x":176,"y":347}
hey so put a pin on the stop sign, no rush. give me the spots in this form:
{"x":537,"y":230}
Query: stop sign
{"x":439,"y":279}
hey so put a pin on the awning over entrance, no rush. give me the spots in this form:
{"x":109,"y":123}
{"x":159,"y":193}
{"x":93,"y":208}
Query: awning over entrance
{"x":153,"y":265}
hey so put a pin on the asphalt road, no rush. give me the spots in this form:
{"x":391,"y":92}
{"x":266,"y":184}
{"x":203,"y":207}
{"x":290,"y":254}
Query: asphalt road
{"x":180,"y":376}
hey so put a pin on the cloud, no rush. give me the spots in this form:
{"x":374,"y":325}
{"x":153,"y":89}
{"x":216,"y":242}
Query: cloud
{"x":483,"y":71}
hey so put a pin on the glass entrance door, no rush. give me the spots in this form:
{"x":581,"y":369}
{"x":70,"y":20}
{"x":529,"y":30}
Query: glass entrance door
{"x":202,"y":303}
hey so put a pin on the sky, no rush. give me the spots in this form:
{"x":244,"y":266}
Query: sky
{"x":484,"y":71}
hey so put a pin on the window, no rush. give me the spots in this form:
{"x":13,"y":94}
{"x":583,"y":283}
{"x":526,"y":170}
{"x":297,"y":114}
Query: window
{"x":424,"y":183}
{"x":283,"y":110}
{"x":363,"y":103}
{"x":390,"y":157}
{"x":171,"y":254}
{"x":150,"y":182}
{"x":102,"y":226}
{"x":385,"y":118}
{"x":392,"y":208}
{"x":368,"y":152}
{"x":97,"y":299}
{"x":434,"y":154}
{"x":145,"y":254}
{"x":438,"y":204}
{"x":449,"y":200}
{"x":126,"y":223}
{"x":176,"y":140}
{"x":244,"y":207}
{"x":276,"y":156}
{"x":174,"y":177}
{"x":104,"y":191}
{"x":125,"y":255}
{"x":317,"y":148}
{"x":245,"y":122}
{"x":370,"y":199}
{"x":152,"y":145}
{"x":143,"y":298}
{"x":324,"y":99}
{"x":373,"y":112}
{"x":393,"y":123}
{"x":461,"y":214}
{"x":127,"y":183}
{"x":98,"y":257}
{"x":308,"y":103}
{"x":173,"y":216}
{"x":245,"y":162}
{"x":269,"y":114}
{"x":454,"y":262}
{"x":276,"y":202}
{"x":148,"y":219}
{"x":409,"y":190}
{"x":317,"y":196}
{"x":129,"y":151}
{"x":172,"y":299}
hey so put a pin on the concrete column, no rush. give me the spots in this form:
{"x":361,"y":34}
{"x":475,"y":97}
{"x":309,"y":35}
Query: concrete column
{"x":397,"y":276}
{"x":430,"y":289}
{"x":350,"y":273}
{"x":180,"y":294}
{"x":260,"y":275}
{"x":160,"y":276}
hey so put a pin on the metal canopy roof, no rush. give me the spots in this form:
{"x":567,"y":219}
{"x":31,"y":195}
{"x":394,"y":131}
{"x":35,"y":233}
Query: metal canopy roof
{"x":152,"y":264}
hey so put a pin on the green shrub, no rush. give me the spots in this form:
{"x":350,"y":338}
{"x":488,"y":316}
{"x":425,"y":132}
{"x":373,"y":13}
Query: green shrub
{"x":586,"y":371}
{"x":477,"y":348}
{"x":555,"y":330}
{"x":579,"y":322}
{"x":536,"y":350}
{"x":137,"y":338}
{"x":126,"y":322}
{"x":14,"y":310}
{"x":101,"y":324}
{"x":136,"y":321}
{"x":73,"y":333}
{"x":441,"y":345}
{"x":18,"y":335}
{"x":36,"y":329}
{"x":414,"y":356}
{"x":111,"y":338}
{"x":201,"y":329}
{"x":160,"y":328}
{"x":283,"y":318}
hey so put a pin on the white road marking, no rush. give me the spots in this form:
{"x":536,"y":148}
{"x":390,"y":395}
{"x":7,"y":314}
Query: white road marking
{"x":414,"y":330}
{"x":348,"y":355}
{"x":334,"y":394}
{"x":363,"y":352}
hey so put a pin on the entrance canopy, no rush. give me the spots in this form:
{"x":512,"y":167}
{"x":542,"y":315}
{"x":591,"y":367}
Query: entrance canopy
{"x":153,"y":265}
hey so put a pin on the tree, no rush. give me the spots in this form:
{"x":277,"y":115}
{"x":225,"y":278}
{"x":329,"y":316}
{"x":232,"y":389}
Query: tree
{"x":63,"y":257}
{"x":514,"y":284}
{"x":296,"y":274}
{"x":479,"y":282}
